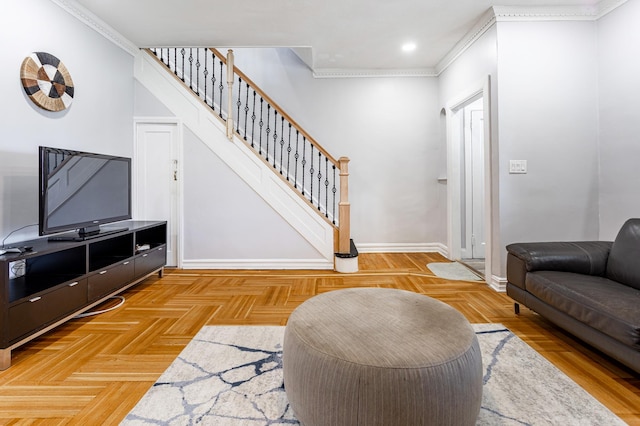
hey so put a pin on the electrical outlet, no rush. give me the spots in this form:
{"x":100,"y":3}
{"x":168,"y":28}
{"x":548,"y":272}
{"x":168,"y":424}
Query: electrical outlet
{"x":518,"y":166}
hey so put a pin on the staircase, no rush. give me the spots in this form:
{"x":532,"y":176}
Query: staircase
{"x":259,"y":141}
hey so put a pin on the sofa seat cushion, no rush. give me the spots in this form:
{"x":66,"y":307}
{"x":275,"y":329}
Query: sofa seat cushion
{"x":598,"y":302}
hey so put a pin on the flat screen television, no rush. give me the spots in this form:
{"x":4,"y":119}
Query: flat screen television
{"x":79,"y":191}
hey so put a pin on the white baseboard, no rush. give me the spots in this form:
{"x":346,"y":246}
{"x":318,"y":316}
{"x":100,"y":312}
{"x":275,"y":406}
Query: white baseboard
{"x":402,"y":248}
{"x":268,"y":264}
{"x":499,"y":284}
{"x":258,"y":175}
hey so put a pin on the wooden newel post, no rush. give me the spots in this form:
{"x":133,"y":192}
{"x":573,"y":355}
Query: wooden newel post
{"x":230,"y":67}
{"x":344,"y":208}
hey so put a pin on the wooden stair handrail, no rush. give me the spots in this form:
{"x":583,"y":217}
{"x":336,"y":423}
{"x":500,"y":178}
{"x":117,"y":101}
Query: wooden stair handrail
{"x":343,"y":229}
{"x":344,"y":206}
{"x":277,"y":107}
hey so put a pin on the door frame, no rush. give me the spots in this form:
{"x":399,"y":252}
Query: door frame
{"x":473,"y":193}
{"x":453,"y":108}
{"x":178,"y":151}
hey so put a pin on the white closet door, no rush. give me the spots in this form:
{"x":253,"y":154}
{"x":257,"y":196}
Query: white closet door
{"x":157,"y":193}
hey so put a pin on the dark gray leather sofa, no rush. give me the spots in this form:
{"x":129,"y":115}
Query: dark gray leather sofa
{"x":589,"y":288}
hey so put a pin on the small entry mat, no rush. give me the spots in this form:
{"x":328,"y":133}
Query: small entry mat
{"x":453,"y":271}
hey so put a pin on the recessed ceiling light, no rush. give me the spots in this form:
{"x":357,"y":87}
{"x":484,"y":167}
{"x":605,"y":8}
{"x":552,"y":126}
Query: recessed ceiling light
{"x":409,"y":47}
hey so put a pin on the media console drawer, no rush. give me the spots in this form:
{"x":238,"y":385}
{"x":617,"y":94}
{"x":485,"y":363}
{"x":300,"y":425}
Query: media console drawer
{"x":58,"y":279}
{"x":43,"y":309}
{"x":150,"y":260}
{"x":110,"y":279}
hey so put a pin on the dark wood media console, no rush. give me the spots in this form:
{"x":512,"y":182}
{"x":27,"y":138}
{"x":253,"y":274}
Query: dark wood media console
{"x":57,"y":280}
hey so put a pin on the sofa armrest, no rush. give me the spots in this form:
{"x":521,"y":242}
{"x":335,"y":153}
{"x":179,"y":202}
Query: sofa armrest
{"x":583,"y":257}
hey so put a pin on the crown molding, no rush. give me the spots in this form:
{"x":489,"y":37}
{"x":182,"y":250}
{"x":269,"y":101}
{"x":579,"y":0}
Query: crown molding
{"x":98,"y":25}
{"x":305,"y":54}
{"x":556,"y":13}
{"x":482,"y":25}
{"x":544,"y":13}
{"x":372,"y":73}
{"x":524,"y":14}
{"x":606,"y":6}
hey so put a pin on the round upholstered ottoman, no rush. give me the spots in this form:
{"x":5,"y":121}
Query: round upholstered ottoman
{"x":373,"y":356}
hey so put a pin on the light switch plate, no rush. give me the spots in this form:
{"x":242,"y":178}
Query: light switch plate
{"x":518,"y":166}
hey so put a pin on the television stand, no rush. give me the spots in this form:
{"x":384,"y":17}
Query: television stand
{"x":84,"y":236}
{"x":55,"y":281}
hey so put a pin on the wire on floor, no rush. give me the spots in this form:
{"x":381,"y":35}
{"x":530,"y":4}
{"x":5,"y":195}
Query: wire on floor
{"x":92,"y":313}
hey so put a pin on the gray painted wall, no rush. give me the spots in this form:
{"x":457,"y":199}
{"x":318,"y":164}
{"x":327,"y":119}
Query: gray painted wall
{"x":388,"y":127}
{"x":99,"y":119}
{"x":459,"y":80}
{"x":567,"y":94}
{"x":548,"y":115}
{"x":225,"y":221}
{"x":619,"y":96}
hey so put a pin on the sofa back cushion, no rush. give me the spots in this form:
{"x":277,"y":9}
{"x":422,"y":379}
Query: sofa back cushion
{"x":623,"y":264}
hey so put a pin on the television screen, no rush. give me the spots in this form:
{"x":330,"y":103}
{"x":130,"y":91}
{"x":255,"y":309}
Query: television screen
{"x":82,"y":190}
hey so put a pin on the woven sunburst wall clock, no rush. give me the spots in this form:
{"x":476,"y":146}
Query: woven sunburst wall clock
{"x":47,"y":81}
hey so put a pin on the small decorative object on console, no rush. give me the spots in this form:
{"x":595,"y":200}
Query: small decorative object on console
{"x":10,"y":250}
{"x":142,"y":247}
{"x":15,"y":249}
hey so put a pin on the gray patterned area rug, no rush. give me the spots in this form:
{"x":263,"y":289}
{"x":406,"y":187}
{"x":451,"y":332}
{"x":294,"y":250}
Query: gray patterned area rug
{"x":232,"y":375}
{"x":453,"y":271}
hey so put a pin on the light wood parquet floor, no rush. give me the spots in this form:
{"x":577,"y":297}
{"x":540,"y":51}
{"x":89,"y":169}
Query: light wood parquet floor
{"x":92,"y":371}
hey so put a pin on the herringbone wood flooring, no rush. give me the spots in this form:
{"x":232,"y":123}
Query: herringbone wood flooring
{"x":94,"y":370}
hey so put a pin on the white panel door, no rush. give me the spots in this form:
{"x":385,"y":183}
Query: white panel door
{"x":157,"y":195}
{"x":477,"y":187}
{"x":472,"y":206}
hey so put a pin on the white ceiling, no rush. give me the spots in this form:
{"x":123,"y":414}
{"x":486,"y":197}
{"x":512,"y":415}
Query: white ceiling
{"x":331,"y":35}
